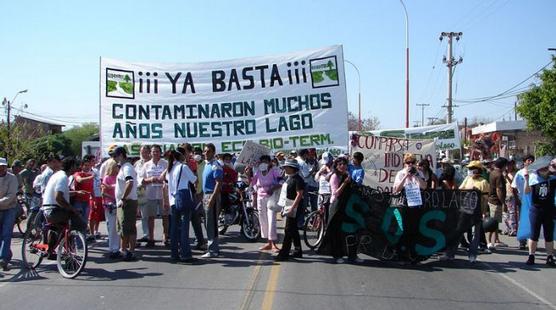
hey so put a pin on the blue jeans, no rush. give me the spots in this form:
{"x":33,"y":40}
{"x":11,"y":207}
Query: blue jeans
{"x":7,"y":220}
{"x":83,"y":208}
{"x":179,"y":225}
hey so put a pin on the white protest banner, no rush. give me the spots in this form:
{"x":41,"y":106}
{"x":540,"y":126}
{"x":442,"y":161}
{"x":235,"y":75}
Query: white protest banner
{"x":383,"y":157}
{"x":289,"y":101}
{"x":447,"y":135}
{"x":251,"y":152}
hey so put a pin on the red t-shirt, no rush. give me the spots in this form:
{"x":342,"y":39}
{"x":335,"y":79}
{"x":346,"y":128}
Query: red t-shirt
{"x":229,"y":179}
{"x":192,"y":164}
{"x":86,"y":185}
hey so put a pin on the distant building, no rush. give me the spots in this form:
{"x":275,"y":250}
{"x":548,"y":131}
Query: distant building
{"x":503,"y":139}
{"x":35,"y":127}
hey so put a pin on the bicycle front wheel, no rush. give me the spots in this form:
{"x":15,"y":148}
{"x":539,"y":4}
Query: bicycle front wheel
{"x":33,"y":249}
{"x":313,"y":229}
{"x":71,"y":254}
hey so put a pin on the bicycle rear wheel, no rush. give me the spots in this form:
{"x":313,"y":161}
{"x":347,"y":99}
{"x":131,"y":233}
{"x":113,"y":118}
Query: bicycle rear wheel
{"x":313,"y":229}
{"x":33,"y":250}
{"x":71,"y":254}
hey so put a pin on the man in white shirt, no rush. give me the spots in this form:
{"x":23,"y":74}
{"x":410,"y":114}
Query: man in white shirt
{"x":150,"y":179}
{"x":56,"y":205}
{"x":144,"y":156}
{"x":126,"y":200}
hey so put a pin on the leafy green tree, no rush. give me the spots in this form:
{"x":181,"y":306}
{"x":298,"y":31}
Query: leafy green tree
{"x":57,"y":144}
{"x":15,"y":145}
{"x":330,"y":65}
{"x":127,"y":78}
{"x":79,"y":134}
{"x":538,"y":107}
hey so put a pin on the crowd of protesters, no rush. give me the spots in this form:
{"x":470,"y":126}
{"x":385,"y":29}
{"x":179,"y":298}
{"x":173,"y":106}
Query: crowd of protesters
{"x":186,"y":185}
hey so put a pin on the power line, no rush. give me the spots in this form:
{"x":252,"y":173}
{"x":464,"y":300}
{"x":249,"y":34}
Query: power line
{"x":482,"y":99}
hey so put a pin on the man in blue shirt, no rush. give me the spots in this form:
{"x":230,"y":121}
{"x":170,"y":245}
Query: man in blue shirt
{"x":356,"y":171}
{"x":212,"y":185}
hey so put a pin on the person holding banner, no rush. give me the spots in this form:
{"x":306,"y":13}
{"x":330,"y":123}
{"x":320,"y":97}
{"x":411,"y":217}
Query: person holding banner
{"x":339,"y":181}
{"x":356,"y":171}
{"x":541,"y":184}
{"x":468,"y":220}
{"x":411,"y":182}
{"x":266,"y":180}
{"x":409,"y":176}
{"x":428,"y":175}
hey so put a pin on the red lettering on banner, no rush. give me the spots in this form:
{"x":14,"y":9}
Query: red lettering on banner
{"x":382,"y":175}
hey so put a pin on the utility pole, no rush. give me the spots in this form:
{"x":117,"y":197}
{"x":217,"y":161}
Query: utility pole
{"x":8,"y":105}
{"x":422,"y":105}
{"x":450,"y":62}
{"x":515,"y":111}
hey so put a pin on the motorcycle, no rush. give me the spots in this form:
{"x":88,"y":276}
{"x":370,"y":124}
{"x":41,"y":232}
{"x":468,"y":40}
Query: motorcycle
{"x":240,"y":211}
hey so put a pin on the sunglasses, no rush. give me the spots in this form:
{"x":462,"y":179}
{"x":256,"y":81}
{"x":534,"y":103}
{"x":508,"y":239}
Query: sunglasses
{"x":410,"y":162}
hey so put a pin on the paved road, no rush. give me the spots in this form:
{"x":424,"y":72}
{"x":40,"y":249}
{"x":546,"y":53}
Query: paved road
{"x":244,"y":278}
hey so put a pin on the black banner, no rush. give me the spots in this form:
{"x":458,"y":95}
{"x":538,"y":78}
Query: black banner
{"x":381,"y":225}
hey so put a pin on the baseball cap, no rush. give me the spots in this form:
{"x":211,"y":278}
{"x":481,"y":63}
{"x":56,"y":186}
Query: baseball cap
{"x":17,"y":163}
{"x":3,"y":161}
{"x":112,"y":148}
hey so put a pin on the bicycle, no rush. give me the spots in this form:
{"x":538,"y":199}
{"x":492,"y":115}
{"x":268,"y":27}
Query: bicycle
{"x":315,"y":224}
{"x":22,"y":212}
{"x":70,"y":246}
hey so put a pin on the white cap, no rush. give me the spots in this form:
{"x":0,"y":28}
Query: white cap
{"x":3,"y":161}
{"x":326,"y":158}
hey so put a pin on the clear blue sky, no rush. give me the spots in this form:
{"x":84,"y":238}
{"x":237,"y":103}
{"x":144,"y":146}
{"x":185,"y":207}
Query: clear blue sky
{"x":52,"y":48}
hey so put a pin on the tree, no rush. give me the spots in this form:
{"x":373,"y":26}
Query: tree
{"x":330,"y":65}
{"x":57,"y":144}
{"x":538,"y":107}
{"x":127,"y":78}
{"x":79,"y":134}
{"x":15,"y":145}
{"x":367,"y":124}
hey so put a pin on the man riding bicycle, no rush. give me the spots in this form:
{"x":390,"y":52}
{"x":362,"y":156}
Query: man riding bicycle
{"x":56,"y":206}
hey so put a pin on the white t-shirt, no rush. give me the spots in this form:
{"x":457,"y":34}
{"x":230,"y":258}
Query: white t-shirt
{"x":58,"y":182}
{"x":401,"y":174}
{"x":153,"y":191}
{"x":174,"y":175}
{"x":43,"y":180}
{"x":127,"y":172}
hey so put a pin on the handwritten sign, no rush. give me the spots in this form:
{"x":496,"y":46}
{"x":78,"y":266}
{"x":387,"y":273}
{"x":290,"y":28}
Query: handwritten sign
{"x":251,"y":153}
{"x":383,"y":157}
{"x":413,"y":195}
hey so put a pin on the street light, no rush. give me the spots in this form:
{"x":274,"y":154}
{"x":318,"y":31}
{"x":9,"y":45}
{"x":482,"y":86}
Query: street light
{"x":9,"y":105}
{"x":359,"y":91}
{"x":406,"y":65}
